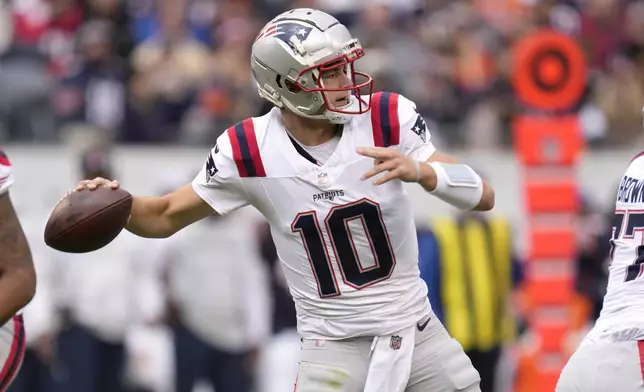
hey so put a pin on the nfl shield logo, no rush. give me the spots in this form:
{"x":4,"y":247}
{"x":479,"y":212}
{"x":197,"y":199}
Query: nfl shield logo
{"x":323,"y":179}
{"x":395,"y":343}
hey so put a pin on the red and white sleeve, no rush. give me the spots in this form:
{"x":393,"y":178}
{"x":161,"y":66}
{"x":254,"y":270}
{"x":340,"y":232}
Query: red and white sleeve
{"x":6,"y":173}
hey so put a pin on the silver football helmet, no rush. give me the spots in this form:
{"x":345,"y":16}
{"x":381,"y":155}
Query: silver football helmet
{"x":293,"y":50}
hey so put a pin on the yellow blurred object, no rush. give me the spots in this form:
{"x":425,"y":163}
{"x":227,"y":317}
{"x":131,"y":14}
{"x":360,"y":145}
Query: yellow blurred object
{"x":476,"y":286}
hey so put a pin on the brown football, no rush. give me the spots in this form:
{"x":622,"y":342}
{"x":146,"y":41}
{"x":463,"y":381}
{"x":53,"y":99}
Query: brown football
{"x":85,"y":221}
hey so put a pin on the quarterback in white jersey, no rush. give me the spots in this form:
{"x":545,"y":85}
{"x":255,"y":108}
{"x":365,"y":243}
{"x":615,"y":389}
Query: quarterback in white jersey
{"x":326,"y":167}
{"x":611,"y":356}
{"x":348,"y":248}
{"x":17,"y":281}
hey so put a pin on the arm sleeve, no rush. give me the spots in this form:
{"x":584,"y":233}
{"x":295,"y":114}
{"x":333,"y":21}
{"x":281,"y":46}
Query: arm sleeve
{"x":218,"y":183}
{"x":415,"y":138}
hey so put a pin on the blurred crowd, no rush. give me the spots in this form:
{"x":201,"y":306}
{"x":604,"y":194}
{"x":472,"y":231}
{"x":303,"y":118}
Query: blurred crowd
{"x":177,"y":71}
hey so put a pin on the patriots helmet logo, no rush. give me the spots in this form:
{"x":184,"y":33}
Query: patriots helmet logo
{"x":420,"y":127}
{"x":287,"y":32}
{"x":211,"y":168}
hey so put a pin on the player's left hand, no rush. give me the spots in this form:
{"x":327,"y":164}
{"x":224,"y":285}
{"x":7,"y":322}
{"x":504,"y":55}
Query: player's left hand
{"x":389,"y":160}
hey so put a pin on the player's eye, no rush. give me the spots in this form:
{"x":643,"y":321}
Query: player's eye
{"x":332,"y":74}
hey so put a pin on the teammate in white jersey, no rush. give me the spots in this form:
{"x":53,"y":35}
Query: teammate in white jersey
{"x":17,"y":280}
{"x":326,"y":167}
{"x":611,"y":356}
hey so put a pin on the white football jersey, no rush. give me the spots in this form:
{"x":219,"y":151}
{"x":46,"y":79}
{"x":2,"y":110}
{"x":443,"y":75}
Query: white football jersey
{"x":622,"y":315}
{"x":348,"y":248}
{"x":6,"y":174}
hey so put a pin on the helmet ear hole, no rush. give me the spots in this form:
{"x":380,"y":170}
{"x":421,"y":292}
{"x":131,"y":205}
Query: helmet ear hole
{"x":292,"y":87}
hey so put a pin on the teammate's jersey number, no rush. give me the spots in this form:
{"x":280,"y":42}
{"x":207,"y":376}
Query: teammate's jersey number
{"x":625,"y":225}
{"x":346,"y":253}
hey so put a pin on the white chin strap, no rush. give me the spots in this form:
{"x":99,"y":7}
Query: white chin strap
{"x":343,"y":118}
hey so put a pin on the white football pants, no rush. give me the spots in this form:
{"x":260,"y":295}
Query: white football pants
{"x":439,"y":363}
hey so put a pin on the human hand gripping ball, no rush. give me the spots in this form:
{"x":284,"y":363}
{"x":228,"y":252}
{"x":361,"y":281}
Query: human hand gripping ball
{"x":89,"y":217}
{"x":95,"y":183}
{"x":395,"y":164}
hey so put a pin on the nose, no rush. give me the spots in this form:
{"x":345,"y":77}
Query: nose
{"x":345,"y":81}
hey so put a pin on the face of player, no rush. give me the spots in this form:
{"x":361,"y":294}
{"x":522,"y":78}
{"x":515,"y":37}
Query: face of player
{"x":337,"y":78}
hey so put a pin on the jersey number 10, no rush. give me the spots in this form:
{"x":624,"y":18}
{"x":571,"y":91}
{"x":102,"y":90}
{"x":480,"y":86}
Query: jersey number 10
{"x":625,"y":224}
{"x":346,"y":253}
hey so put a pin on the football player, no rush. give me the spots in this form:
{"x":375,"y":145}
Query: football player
{"x":17,"y":280}
{"x":611,"y":355}
{"x":326,"y":167}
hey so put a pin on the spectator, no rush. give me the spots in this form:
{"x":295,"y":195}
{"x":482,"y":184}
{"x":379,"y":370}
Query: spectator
{"x":113,"y":11}
{"x":229,"y":94}
{"x":94,"y":93}
{"x":168,"y":68}
{"x":48,"y":26}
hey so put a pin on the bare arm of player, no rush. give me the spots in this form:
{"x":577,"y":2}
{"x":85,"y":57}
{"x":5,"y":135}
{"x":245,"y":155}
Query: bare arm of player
{"x":159,"y":216}
{"x":163,"y":216}
{"x":405,"y":168}
{"x":17,"y":273}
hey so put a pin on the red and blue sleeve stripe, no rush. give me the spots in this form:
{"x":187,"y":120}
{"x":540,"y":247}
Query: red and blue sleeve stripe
{"x":384,"y":119}
{"x":245,"y":150}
